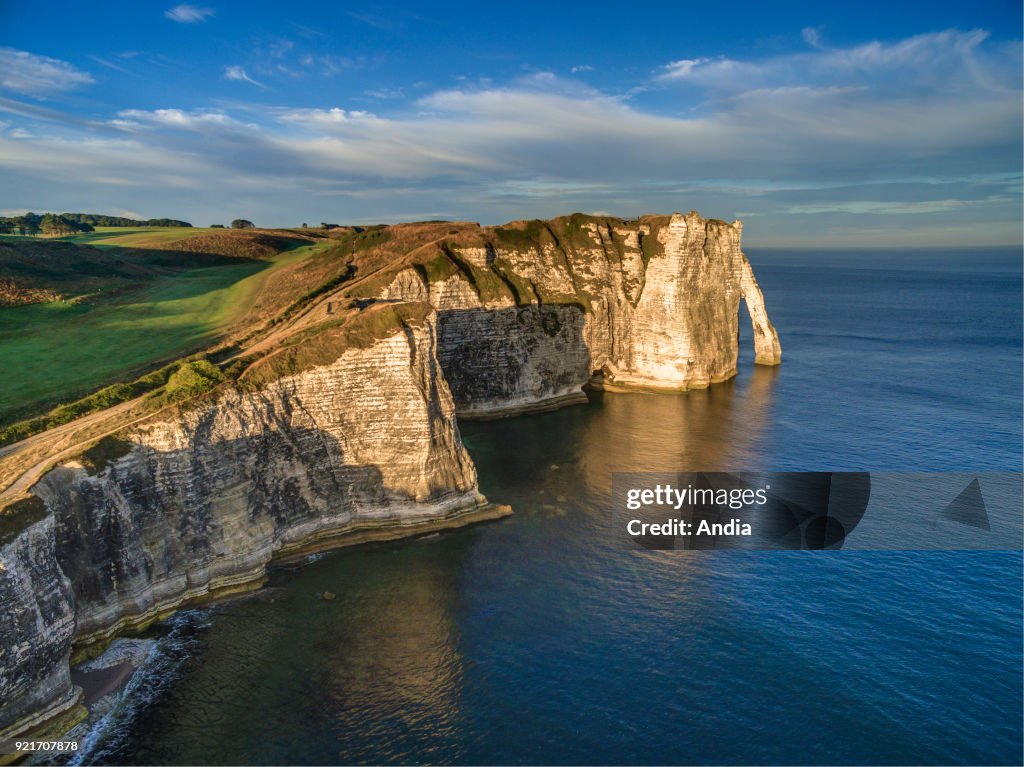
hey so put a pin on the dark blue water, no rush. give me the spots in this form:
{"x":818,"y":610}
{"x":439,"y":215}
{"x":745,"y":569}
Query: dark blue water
{"x":537,"y":639}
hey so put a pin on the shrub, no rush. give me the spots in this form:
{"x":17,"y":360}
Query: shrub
{"x":192,"y":378}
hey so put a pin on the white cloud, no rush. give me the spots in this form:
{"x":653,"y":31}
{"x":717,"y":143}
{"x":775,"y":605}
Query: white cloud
{"x":582,"y":68}
{"x":922,"y":62}
{"x":682,"y":68}
{"x":38,"y":76}
{"x":385,"y":93}
{"x":887,"y":207}
{"x":134,"y":119}
{"x":109,"y":162}
{"x":329,"y":65}
{"x":322,"y":117}
{"x":811,"y":36}
{"x":238,"y":73}
{"x":189,"y":14}
{"x":110,"y":64}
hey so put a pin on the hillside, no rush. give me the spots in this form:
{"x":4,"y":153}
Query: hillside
{"x":84,"y":312}
{"x":69,"y":270}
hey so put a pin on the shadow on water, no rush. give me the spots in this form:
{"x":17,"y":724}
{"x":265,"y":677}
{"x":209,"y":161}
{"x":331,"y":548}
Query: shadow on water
{"x":371,"y":673}
{"x":538,"y":640}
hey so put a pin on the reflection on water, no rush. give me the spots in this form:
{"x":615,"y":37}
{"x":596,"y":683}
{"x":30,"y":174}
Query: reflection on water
{"x":395,"y":650}
{"x":709,"y":429}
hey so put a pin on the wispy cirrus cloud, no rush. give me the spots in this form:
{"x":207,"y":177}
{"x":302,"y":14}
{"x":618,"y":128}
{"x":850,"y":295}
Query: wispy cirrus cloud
{"x":189,"y":14}
{"x":38,"y":76}
{"x":110,"y":64}
{"x":385,"y":93}
{"x":239,"y":74}
{"x":915,"y":64}
{"x":811,"y":36}
{"x":321,"y":118}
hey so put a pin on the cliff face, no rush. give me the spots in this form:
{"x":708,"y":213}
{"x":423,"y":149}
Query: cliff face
{"x":651,"y":303}
{"x":503,"y":361}
{"x":318,"y":445}
{"x":37,"y":623}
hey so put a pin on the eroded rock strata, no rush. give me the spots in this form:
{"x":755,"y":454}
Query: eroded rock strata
{"x":343,"y":429}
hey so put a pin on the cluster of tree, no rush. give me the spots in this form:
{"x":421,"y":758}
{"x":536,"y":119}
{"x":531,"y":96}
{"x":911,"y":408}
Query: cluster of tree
{"x":47,"y":223}
{"x":241,"y":223}
{"x":96,"y":219}
{"x":57,"y":224}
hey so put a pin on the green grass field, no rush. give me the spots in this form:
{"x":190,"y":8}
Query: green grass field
{"x":124,"y":236}
{"x":136,"y":237}
{"x":52,"y":353}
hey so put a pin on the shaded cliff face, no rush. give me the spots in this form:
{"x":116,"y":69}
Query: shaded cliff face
{"x":655,"y":301}
{"x":37,"y":623}
{"x":504,"y":361}
{"x":349,"y":434}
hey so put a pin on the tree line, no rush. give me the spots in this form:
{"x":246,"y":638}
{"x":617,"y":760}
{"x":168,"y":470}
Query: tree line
{"x":71,"y":223}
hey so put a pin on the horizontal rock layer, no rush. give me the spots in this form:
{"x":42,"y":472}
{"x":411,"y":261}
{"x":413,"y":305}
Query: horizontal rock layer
{"x":37,"y":624}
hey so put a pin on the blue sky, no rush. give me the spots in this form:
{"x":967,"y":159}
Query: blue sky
{"x":870,"y":123}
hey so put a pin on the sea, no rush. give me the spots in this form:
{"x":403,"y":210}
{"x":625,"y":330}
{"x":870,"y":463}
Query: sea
{"x":541,"y":639}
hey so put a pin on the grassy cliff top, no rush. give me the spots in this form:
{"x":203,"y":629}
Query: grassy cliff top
{"x":76,"y":317}
{"x":324,"y":343}
{"x":489,"y":258}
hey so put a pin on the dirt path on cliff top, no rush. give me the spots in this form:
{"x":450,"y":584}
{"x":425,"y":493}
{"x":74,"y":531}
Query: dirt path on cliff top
{"x":23,"y":463}
{"x":319,"y":309}
{"x":41,"y":451}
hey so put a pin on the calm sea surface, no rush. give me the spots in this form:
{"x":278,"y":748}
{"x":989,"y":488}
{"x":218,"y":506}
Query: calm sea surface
{"x":537,"y":639}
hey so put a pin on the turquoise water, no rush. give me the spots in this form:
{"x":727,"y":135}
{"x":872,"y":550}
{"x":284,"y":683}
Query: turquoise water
{"x":539,"y":639}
